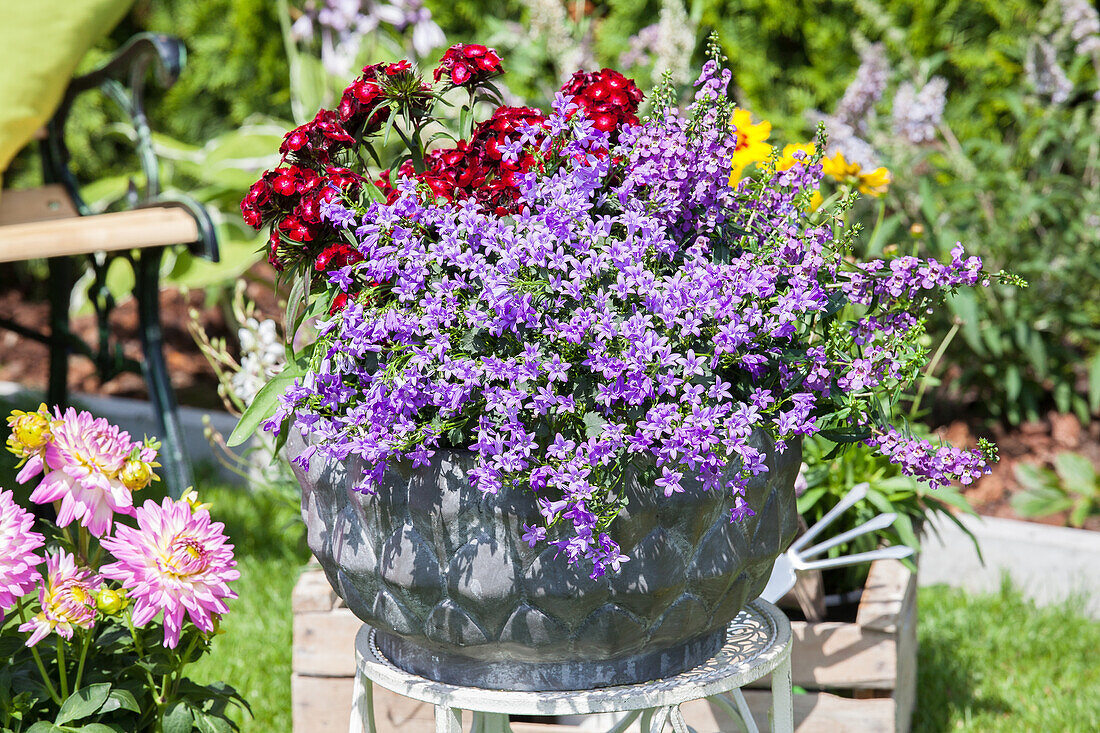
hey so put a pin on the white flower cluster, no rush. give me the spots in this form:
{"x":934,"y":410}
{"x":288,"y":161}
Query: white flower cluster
{"x":262,"y":357}
{"x":675,"y":43}
{"x":1083,"y":22}
{"x":548,"y":19}
{"x":917,"y":113}
{"x":668,"y":44}
{"x":866,"y":89}
{"x":1044,"y":73}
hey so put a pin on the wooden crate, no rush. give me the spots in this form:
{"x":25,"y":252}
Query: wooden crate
{"x":859,"y":676}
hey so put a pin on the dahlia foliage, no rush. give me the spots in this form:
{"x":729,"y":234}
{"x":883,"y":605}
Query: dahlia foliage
{"x":567,"y":293}
{"x":95,"y":593}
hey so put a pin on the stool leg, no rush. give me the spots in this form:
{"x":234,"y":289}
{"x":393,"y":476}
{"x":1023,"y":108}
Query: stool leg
{"x":679,"y":725}
{"x":448,"y":720}
{"x":743,"y":710}
{"x":782,"y":713}
{"x":661,"y":716}
{"x":362,"y":706}
{"x":61,"y":287}
{"x":177,"y":471}
{"x":623,"y":724}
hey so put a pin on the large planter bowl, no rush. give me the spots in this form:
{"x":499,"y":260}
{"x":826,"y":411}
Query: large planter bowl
{"x":441,"y":571}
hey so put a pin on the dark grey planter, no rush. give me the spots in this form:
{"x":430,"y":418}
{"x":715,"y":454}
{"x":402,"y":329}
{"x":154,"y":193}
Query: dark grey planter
{"x":440,"y":570}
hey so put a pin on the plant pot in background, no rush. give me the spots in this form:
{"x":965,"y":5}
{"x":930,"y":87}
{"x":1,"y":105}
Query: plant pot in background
{"x":442,"y":572}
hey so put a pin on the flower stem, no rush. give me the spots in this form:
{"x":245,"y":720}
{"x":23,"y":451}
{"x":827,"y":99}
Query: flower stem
{"x":62,"y":675}
{"x":38,"y":659}
{"x":87,"y":636}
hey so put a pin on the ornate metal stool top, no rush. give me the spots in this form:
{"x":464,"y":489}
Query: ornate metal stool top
{"x":758,"y":642}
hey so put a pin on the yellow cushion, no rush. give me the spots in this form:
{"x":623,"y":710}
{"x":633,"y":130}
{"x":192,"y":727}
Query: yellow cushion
{"x":41,"y":43}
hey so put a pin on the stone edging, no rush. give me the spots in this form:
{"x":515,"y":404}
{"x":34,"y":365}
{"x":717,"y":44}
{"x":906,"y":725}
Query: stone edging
{"x":1048,"y":564}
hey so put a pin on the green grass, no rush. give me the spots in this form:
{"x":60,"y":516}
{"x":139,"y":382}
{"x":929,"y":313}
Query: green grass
{"x":254,"y":653}
{"x":999,"y":663}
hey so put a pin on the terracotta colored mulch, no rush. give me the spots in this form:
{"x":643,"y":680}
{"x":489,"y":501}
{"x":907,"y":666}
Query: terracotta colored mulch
{"x":26,"y":361}
{"x":1033,"y":442}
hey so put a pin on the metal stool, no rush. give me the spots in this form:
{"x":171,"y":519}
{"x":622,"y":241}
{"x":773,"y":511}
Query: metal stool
{"x":758,"y":643}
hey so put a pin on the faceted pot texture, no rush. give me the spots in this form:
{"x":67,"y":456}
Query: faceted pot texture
{"x":440,"y":570}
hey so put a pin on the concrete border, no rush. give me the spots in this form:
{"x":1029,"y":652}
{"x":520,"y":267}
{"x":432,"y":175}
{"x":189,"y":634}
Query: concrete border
{"x":1048,"y":564}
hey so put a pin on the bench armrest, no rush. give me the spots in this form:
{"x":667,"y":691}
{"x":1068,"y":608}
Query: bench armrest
{"x":122,"y":79}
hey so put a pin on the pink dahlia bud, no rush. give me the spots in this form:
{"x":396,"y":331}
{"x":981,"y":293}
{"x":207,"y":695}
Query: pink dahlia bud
{"x":82,"y":464}
{"x":468,"y":65}
{"x":67,"y":599}
{"x":176,"y":561}
{"x":18,"y":563}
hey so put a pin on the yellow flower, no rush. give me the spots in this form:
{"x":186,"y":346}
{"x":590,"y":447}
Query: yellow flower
{"x":136,"y":474}
{"x":192,"y":497}
{"x":840,"y":169}
{"x":788,"y":160}
{"x":751,"y":147}
{"x":816,"y":200}
{"x":30,"y":431}
{"x":874,"y":183}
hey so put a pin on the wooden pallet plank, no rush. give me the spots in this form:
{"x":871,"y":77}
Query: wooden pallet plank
{"x":312,"y":593}
{"x":324,"y":643}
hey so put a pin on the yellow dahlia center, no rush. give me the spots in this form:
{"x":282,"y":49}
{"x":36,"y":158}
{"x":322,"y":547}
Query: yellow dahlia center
{"x":186,"y":556}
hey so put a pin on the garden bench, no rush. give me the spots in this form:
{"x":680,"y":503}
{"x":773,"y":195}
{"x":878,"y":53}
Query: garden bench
{"x":54,"y":222}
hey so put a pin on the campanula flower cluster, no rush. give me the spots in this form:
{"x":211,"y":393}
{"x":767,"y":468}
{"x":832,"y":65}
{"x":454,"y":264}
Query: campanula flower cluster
{"x":630,"y":309}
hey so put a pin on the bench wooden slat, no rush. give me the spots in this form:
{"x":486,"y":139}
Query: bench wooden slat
{"x":35,"y":204}
{"x":153,"y":227}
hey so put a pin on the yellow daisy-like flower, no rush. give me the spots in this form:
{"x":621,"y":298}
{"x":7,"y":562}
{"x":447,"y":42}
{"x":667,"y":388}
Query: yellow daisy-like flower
{"x":751,"y":147}
{"x":816,"y":200}
{"x":837,"y":167}
{"x":788,"y":160}
{"x":873,"y":183}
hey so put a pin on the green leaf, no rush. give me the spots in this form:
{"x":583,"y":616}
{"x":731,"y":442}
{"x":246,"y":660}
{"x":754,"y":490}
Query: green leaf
{"x":84,"y":702}
{"x":120,"y":699}
{"x":101,"y":728}
{"x":207,"y":723}
{"x":809,"y":498}
{"x":1081,"y":511}
{"x":593,"y":424}
{"x":1094,"y":382}
{"x":43,"y":726}
{"x":1076,"y":472}
{"x":1041,"y":502}
{"x":1034,"y":477}
{"x":178,"y":718}
{"x":263,"y":405}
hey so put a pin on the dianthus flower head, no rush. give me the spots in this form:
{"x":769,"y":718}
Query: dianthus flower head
{"x":83,"y":463}
{"x":18,"y":563}
{"x":468,"y":64}
{"x":175,"y":561}
{"x":67,"y":599}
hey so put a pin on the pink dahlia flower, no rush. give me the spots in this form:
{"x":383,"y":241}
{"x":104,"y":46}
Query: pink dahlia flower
{"x":18,"y":563}
{"x":83,"y":462}
{"x":176,"y":560}
{"x":67,"y":599}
